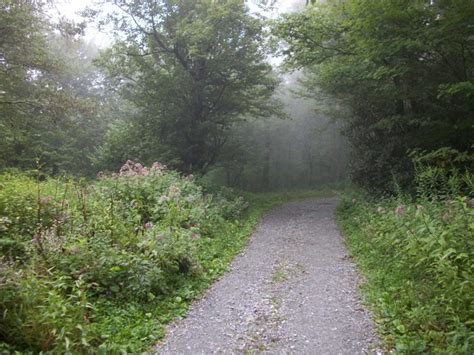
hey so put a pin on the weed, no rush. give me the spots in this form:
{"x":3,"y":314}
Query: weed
{"x":279,"y":273}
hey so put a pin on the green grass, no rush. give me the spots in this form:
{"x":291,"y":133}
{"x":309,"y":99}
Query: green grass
{"x":279,"y":274}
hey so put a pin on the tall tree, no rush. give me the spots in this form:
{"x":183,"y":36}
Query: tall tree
{"x":404,"y":68}
{"x":24,"y":64}
{"x":193,"y":69}
{"x":50,"y":99}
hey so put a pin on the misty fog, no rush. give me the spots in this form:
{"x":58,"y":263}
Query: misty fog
{"x":303,"y":149}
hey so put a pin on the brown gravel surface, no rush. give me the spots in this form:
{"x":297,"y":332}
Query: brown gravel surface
{"x":292,"y":291}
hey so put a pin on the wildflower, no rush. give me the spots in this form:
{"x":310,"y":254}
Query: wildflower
{"x":44,"y":200}
{"x":130,"y":168}
{"x":174,"y":192}
{"x":4,"y":223}
{"x":137,"y":168}
{"x":127,"y":168}
{"x":5,"y":220}
{"x":400,"y":210}
{"x":381,"y":210}
{"x":148,"y":225}
{"x":163,"y":198}
{"x":446,"y":217}
{"x":175,"y":189}
{"x":157,"y":168}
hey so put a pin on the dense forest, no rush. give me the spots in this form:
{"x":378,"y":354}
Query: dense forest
{"x":132,"y":169}
{"x":89,"y":104}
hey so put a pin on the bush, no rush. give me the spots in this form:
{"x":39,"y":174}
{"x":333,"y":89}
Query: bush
{"x":127,"y":244}
{"x":22,"y":209}
{"x":443,"y":174}
{"x":418,"y":258}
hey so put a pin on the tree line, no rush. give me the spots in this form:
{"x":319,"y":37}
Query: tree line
{"x":177,"y":77}
{"x":189,"y":83}
{"x":404,"y":70}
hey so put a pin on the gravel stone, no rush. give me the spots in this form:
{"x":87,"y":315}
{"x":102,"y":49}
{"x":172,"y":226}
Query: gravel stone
{"x":293,"y":290}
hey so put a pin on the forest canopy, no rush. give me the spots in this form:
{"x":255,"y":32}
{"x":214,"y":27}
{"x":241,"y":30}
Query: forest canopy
{"x":192,"y":83}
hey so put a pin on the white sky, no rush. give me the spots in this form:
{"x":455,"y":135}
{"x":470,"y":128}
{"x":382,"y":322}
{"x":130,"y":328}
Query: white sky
{"x":71,"y":9}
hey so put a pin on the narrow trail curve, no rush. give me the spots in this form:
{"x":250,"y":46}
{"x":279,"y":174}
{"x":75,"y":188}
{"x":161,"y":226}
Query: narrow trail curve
{"x":293,"y":291}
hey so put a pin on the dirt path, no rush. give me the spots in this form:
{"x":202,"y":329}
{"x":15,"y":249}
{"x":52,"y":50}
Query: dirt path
{"x":292,"y":291}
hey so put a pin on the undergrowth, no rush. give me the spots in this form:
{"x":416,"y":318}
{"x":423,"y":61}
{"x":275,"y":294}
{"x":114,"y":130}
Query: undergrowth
{"x":100,"y":267}
{"x":417,"y":255}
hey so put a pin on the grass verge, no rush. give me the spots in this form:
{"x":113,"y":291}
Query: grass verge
{"x":417,"y":257}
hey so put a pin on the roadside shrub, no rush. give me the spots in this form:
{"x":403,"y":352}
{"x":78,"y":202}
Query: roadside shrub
{"x":418,"y":258}
{"x":72,"y":250}
{"x":23,"y":208}
{"x":443,"y":174}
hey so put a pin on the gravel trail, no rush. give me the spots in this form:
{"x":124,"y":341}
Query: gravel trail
{"x":292,"y":291}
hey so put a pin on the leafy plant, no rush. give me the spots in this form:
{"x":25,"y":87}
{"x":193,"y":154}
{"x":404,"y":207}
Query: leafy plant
{"x":132,"y":248}
{"x":418,"y":258}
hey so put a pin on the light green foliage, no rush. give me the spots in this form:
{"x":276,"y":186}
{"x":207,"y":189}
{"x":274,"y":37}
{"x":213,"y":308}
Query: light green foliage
{"x":102,"y":265}
{"x":404,"y":69}
{"x":418,"y":257}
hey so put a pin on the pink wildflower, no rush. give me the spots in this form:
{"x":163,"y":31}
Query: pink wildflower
{"x":400,"y":210}
{"x":148,"y":225}
{"x":157,"y":168}
{"x":130,"y":168}
{"x":174,"y":192}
